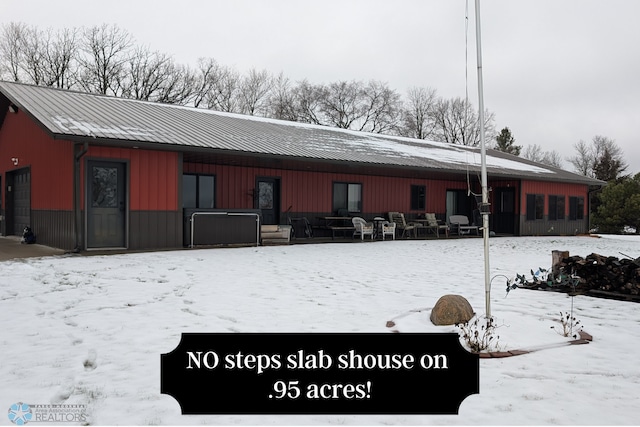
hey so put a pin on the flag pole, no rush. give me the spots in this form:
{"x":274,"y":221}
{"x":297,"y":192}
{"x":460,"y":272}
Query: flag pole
{"x":484,"y":207}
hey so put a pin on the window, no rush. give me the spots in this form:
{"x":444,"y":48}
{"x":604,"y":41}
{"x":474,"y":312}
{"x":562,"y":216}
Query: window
{"x":576,"y":208}
{"x":347,"y":196}
{"x":198,"y":191}
{"x":418,"y":197}
{"x":556,"y":207}
{"x":535,"y":207}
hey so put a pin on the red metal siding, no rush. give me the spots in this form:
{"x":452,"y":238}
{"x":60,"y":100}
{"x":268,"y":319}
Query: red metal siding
{"x":153,"y":180}
{"x":308,"y":191}
{"x":555,"y":189}
{"x":437,"y":194}
{"x":51,"y":161}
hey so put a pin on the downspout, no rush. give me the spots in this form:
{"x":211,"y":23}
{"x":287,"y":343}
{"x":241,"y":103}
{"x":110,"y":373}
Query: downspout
{"x":77,"y":217}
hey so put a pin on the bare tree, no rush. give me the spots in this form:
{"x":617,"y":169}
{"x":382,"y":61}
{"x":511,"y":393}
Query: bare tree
{"x":307,"y":101}
{"x":145,"y":74}
{"x":104,"y":60}
{"x":603,"y":159}
{"x":582,"y":161}
{"x":46,"y":57}
{"x":208,"y":73}
{"x":418,"y":113}
{"x":456,"y":122}
{"x":106,"y":50}
{"x":281,"y":101}
{"x":449,"y":120}
{"x":224,"y":93}
{"x":11,"y":43}
{"x":535,"y":153}
{"x":60,"y":57}
{"x":553,"y":158}
{"x":341,"y":105}
{"x":178,"y":85}
{"x":382,"y":108}
{"x":32,"y":55}
{"x":154,"y":76}
{"x":253,"y":91}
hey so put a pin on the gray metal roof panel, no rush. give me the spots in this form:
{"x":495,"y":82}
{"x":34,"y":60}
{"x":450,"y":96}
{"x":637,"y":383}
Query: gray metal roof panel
{"x":78,"y":114}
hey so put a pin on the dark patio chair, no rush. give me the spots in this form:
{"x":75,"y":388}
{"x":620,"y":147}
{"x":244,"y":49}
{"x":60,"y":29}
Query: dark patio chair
{"x":402,"y":227}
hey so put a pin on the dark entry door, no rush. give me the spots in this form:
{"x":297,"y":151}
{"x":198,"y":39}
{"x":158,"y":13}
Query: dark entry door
{"x":18,"y":208}
{"x":268,"y":199}
{"x":504,"y":211}
{"x":106,"y":204}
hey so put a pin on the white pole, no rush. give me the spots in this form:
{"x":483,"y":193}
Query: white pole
{"x":484,"y":209}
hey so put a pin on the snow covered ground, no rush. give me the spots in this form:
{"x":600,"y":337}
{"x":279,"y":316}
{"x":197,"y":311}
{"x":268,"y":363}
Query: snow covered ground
{"x":90,"y":330}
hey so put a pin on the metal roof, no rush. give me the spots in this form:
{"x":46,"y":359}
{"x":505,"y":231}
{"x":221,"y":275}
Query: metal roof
{"x":76,"y":115}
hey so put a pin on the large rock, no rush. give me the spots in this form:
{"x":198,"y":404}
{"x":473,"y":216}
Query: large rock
{"x":451,"y":309}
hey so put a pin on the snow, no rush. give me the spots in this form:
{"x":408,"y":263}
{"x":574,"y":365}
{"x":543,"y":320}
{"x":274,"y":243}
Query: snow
{"x":397,"y":146}
{"x":328,"y":143}
{"x":394,"y":146}
{"x":117,"y":314}
{"x":89,"y":128}
{"x":452,"y":154}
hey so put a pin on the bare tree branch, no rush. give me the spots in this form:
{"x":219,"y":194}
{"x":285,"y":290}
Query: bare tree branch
{"x":224,"y":93}
{"x":281,"y":101}
{"x":178,"y":85}
{"x":145,"y":74}
{"x":456,"y":122}
{"x":307,"y":99}
{"x":106,"y":51}
{"x":583,"y":160}
{"x":208,"y":73}
{"x":536,"y":154}
{"x":382,"y":108}
{"x":11,"y":50}
{"x":60,"y":53}
{"x":418,"y":113}
{"x":341,"y":105}
{"x":254,"y":90}
{"x":32,"y":50}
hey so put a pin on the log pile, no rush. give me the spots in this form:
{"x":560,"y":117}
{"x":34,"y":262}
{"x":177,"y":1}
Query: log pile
{"x":600,"y":275}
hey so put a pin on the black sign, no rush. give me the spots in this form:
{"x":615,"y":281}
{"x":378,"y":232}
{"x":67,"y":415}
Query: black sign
{"x":295,"y":373}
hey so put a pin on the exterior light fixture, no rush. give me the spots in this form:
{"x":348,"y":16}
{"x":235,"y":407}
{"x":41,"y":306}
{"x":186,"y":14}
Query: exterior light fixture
{"x":13,"y":108}
{"x":15,"y":161}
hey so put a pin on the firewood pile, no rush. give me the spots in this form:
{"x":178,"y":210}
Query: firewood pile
{"x":594,"y":275}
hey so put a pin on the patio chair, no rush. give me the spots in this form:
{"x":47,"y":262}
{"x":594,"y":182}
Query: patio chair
{"x":402,"y":225}
{"x":362,"y":227}
{"x":388,"y":229}
{"x":435,"y":225}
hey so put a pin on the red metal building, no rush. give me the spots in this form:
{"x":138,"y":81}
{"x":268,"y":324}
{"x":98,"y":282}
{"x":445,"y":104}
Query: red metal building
{"x":87,"y":171}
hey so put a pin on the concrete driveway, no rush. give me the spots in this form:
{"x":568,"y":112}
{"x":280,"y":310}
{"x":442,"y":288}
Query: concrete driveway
{"x":11,"y":248}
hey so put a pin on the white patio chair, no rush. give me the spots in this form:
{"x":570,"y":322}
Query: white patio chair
{"x":388,"y":229}
{"x":362,"y":227}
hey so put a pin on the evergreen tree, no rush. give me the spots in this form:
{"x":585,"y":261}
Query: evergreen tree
{"x":505,"y":143}
{"x":608,"y":167}
{"x":619,"y":206}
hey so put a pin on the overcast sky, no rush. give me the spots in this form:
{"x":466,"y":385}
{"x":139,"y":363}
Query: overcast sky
{"x":554,"y":71}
